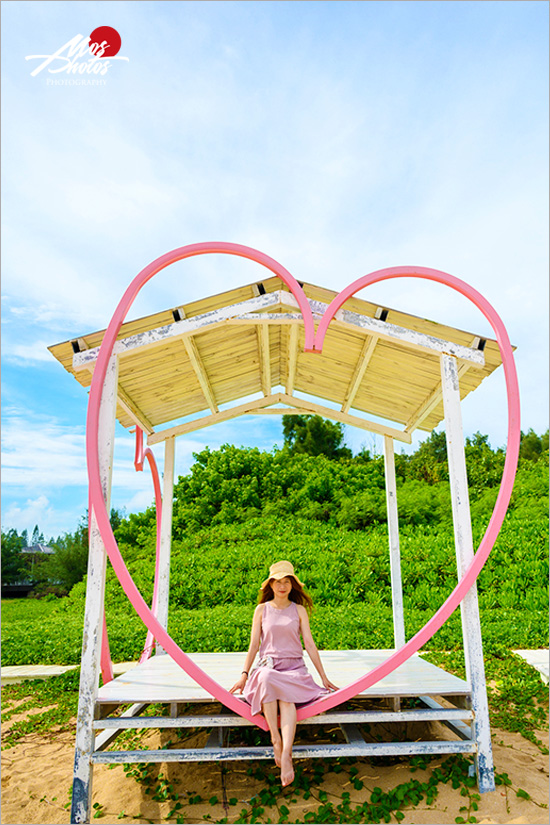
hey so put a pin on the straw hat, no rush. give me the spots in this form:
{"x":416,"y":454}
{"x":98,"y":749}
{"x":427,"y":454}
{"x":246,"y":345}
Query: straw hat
{"x":279,"y":570}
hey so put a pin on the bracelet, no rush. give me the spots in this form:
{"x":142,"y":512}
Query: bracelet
{"x":244,"y":671}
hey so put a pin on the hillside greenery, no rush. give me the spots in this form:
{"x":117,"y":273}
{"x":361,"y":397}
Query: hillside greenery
{"x":239,"y":510}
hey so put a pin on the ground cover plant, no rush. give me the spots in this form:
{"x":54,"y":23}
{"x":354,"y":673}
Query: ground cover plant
{"x":239,"y":510}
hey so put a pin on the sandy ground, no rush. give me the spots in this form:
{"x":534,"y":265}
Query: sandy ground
{"x":37,"y":778}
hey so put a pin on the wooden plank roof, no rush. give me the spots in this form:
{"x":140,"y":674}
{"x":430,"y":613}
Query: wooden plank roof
{"x":199,"y":356}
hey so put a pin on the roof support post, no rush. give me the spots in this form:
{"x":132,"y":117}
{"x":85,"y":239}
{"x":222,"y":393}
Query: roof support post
{"x":93,"y":616}
{"x":166,"y":534}
{"x":393,"y":534}
{"x":471,"y":629}
{"x":292,"y":358}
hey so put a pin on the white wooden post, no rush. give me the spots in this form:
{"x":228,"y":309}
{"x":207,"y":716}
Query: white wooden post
{"x":93,"y":616}
{"x":393,"y":534}
{"x":471,"y":628}
{"x":166,"y":535}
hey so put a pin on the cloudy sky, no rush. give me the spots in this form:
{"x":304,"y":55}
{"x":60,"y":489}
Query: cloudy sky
{"x":337,"y":137}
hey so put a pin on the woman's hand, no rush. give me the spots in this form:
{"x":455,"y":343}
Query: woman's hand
{"x":239,"y":686}
{"x":328,"y":684}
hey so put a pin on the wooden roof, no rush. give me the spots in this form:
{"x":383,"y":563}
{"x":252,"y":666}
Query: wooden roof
{"x":250,"y":340}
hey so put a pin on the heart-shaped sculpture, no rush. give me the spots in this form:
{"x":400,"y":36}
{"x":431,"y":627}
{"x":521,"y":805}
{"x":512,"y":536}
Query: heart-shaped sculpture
{"x":313,"y":342}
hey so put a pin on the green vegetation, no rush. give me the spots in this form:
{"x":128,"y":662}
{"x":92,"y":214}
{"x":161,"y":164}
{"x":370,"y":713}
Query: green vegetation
{"x":239,"y":510}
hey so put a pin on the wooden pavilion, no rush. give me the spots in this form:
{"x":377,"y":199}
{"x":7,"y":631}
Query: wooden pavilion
{"x":242,"y":353}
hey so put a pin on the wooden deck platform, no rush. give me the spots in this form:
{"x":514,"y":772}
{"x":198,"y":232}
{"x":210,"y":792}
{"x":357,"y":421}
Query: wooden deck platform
{"x":160,"y":679}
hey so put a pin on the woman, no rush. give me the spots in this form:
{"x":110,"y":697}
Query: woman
{"x":281,"y":677}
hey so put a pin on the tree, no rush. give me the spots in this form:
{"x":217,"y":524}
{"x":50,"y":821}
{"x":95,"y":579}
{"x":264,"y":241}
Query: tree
{"x":532,"y":445}
{"x":13,"y":568}
{"x":37,"y":536}
{"x":69,"y":564}
{"x":429,"y":462}
{"x":314,"y":435}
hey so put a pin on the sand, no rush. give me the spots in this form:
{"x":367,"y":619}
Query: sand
{"x":37,"y":778}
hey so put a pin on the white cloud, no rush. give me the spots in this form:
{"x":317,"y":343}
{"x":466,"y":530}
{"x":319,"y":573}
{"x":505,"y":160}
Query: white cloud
{"x":33,"y":511}
{"x":27,"y":354}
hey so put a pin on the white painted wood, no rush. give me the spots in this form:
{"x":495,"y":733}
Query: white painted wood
{"x":200,"y":371}
{"x":455,"y":723}
{"x":436,"y":714}
{"x":264,"y":358}
{"x":215,"y":418}
{"x":393,"y":536}
{"x":292,"y":359}
{"x":352,"y":734}
{"x":103,"y":740}
{"x":471,"y":628}
{"x":431,"y":402}
{"x":298,"y":752}
{"x":265,"y":318}
{"x":131,"y":408}
{"x":345,"y":418}
{"x":367,"y":351}
{"x":93,"y":615}
{"x":179,"y":329}
{"x":166,"y":535}
{"x":345,"y":318}
{"x":382,"y":329}
{"x":160,"y":679}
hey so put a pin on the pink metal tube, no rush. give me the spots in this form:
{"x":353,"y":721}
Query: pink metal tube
{"x":507,"y":482}
{"x":216,"y":690}
{"x":141,"y":455}
{"x":97,"y":503}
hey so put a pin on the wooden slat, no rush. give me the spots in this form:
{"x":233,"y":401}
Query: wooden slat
{"x":160,"y":679}
{"x":110,"y":733}
{"x":368,"y":749}
{"x":455,"y":723}
{"x":189,"y":326}
{"x":406,"y":337}
{"x":436,"y":713}
{"x":133,"y":411}
{"x":265,"y":358}
{"x":431,"y":402}
{"x":345,"y":418}
{"x":292,"y":358}
{"x":208,"y":420}
{"x":365,"y":356}
{"x":399,"y":380}
{"x":202,"y":375}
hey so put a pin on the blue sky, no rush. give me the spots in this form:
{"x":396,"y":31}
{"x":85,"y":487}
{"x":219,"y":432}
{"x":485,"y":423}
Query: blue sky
{"x":336,"y":137}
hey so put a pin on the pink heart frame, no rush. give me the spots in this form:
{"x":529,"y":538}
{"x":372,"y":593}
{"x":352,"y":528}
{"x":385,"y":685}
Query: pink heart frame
{"x":313,"y":343}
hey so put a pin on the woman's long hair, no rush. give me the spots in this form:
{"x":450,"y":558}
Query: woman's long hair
{"x":297,"y":595}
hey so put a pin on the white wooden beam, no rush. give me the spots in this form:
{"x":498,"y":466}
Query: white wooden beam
{"x":393,"y":535}
{"x":133,"y":411}
{"x":200,"y":371}
{"x":93,"y":615}
{"x":179,"y":329}
{"x":407,"y":337}
{"x":265,"y":318}
{"x":471,"y":628}
{"x":166,"y":535}
{"x":209,"y":420}
{"x":434,"y":398}
{"x":345,"y":318}
{"x":292,"y":359}
{"x":365,"y":356}
{"x":265,"y":358}
{"x":309,"y":407}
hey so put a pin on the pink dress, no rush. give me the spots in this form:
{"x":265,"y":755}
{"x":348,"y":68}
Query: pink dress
{"x":288,"y":679}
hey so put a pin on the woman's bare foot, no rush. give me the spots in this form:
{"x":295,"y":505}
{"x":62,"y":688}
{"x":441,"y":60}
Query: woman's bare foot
{"x":287,"y":770}
{"x":277,"y":750}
